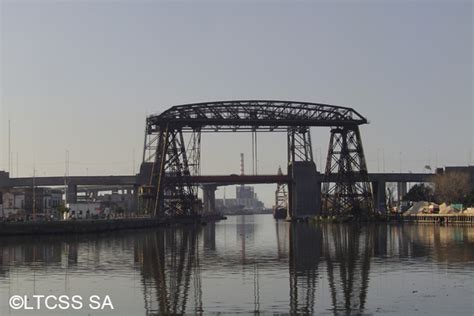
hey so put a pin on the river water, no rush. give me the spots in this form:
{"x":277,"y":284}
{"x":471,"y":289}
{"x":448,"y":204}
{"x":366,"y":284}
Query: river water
{"x":246,"y":264}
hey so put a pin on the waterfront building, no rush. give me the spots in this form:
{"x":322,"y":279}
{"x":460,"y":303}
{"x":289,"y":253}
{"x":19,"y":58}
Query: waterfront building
{"x":26,"y":202}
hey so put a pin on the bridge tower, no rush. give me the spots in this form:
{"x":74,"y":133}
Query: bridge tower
{"x":280,"y":209}
{"x":304,"y":191}
{"x":175,"y":159}
{"x":349,"y":193}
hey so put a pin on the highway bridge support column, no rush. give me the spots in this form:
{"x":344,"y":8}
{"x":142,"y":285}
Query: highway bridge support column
{"x":401,"y":190}
{"x":71,"y":193}
{"x":135,"y":199}
{"x":209,"y":198}
{"x":380,"y":196}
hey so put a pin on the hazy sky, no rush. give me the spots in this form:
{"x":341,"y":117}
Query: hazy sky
{"x":82,"y":76}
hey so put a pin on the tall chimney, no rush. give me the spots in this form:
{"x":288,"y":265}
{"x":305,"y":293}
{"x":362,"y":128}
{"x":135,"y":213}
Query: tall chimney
{"x":241,"y":164}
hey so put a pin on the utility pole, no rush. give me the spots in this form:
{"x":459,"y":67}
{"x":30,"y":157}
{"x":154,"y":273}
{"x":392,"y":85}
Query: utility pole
{"x":133,"y":162}
{"x":429,"y":157}
{"x":9,"y":148}
{"x":469,"y":157}
{"x":320,"y":159}
{"x":400,"y":162}
{"x":66,"y":172}
{"x":34,"y":194}
{"x":378,"y":159}
{"x":383,"y":159}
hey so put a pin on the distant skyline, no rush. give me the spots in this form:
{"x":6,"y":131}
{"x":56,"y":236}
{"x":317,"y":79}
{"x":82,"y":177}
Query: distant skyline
{"x":82,"y":76}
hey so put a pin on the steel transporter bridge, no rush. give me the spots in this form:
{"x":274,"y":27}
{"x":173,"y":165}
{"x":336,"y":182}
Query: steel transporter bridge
{"x":172,"y":148}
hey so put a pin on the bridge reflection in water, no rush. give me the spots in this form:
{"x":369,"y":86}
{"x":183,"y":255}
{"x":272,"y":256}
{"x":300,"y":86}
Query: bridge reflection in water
{"x":346,"y":251}
{"x":249,"y":264}
{"x":169,"y":259}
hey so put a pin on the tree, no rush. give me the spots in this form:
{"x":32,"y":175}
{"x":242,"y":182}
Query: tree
{"x":469,"y":199}
{"x":451,"y":187}
{"x":419,"y":192}
{"x":390,"y":195}
{"x":62,"y":209}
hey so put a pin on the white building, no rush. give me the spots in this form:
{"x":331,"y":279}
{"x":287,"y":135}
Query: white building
{"x":19,"y":202}
{"x":82,"y":210}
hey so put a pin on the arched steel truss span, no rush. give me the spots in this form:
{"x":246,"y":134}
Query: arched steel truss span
{"x":245,"y":115}
{"x":173,"y":142}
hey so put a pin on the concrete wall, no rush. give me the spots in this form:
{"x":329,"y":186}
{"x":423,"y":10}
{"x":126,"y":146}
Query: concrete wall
{"x":209,"y":198}
{"x":305,"y":190}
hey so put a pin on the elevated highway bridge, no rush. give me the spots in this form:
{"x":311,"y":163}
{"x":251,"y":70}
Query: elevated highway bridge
{"x":129,"y":180}
{"x":208,"y":183}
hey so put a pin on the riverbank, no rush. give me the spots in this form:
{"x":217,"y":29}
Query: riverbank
{"x":434,"y":218}
{"x":96,"y":225}
{"x":397,"y":218}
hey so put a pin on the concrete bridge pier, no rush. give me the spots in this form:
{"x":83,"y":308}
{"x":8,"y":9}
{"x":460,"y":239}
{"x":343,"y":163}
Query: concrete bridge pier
{"x":71,"y":193}
{"x":209,"y":234}
{"x":380,"y":198}
{"x":304,"y":191}
{"x":209,"y":198}
{"x":134,"y":205}
{"x":401,"y":190}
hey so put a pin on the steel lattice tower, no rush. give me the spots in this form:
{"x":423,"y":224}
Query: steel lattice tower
{"x":350,"y":193}
{"x":281,"y":195}
{"x":299,"y":144}
{"x":170,"y":193}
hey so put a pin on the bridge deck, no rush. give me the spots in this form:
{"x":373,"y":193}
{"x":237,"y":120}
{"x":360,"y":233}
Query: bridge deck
{"x":75,"y":180}
{"x":130,"y":180}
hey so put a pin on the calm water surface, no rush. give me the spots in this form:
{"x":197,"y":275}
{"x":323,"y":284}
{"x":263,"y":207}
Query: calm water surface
{"x":250,"y":264}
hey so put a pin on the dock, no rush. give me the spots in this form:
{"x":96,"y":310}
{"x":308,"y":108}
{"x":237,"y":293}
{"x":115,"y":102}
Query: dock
{"x":96,"y":225}
{"x":434,"y":218}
